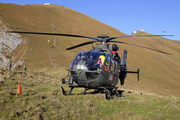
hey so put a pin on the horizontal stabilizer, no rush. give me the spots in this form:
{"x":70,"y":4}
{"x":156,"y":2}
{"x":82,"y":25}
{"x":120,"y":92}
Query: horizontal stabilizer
{"x":134,"y":72}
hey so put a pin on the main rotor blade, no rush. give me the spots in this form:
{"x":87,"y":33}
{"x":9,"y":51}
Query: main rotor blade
{"x":82,"y":44}
{"x":141,"y":46}
{"x":59,"y":34}
{"x":107,"y":40}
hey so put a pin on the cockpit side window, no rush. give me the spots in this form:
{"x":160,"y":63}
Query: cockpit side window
{"x":78,"y":57}
{"x":112,"y":65}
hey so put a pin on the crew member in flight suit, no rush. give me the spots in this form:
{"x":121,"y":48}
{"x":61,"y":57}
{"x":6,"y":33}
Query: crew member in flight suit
{"x":100,"y":61}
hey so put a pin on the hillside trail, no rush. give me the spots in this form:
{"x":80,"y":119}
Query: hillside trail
{"x":54,"y":29}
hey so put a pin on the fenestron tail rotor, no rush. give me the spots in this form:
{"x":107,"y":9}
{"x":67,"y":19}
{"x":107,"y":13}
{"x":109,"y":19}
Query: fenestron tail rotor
{"x":101,"y":38}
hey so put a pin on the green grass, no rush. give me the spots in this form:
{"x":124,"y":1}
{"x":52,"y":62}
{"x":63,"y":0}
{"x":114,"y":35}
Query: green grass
{"x":42,"y":98}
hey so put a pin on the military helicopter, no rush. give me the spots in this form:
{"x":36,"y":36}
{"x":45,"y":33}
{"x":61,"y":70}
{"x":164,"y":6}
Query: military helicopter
{"x":100,"y":67}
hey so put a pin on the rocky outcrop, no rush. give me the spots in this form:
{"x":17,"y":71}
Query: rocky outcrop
{"x":12,"y":47}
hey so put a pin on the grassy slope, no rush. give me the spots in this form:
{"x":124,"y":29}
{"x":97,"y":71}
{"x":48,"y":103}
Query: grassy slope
{"x":159,"y":73}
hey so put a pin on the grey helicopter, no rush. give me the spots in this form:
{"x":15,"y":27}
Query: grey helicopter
{"x":100,"y":67}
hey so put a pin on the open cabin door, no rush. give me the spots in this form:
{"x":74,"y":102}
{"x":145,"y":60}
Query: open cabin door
{"x":110,"y":66}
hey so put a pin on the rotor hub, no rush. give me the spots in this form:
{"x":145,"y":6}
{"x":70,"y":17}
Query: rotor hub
{"x":103,"y":36}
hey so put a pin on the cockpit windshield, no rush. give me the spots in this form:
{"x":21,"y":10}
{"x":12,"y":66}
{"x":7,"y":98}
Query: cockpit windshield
{"x":90,"y":58}
{"x":78,"y":57}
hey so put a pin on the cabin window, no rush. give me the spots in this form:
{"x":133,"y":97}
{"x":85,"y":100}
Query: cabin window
{"x":112,"y":65}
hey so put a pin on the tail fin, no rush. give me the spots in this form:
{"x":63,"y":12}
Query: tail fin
{"x":123,"y":69}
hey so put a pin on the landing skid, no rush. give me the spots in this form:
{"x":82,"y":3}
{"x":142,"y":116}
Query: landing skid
{"x":72,"y":87}
{"x":108,"y":91}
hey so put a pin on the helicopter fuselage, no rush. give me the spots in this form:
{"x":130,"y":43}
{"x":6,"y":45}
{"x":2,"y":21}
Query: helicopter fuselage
{"x":86,"y":72}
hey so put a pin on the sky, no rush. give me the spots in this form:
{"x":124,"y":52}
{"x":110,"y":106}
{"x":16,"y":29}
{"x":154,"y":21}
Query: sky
{"x":159,"y":17}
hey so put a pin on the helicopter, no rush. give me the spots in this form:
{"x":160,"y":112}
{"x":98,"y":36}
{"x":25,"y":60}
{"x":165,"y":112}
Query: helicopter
{"x":100,"y":68}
